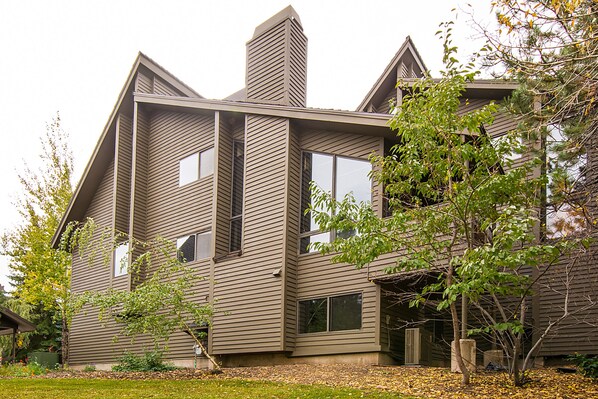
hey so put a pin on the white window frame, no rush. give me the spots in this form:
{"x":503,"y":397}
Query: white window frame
{"x":196,"y":255}
{"x":196,"y":166}
{"x":317,"y":232}
{"x":121,"y":259}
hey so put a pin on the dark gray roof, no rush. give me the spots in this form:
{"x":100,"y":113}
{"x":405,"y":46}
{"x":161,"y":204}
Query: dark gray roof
{"x":10,"y":321}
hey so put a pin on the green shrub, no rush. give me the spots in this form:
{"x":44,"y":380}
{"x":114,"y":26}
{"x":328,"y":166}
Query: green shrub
{"x":89,"y":367}
{"x":588,"y":365}
{"x":149,"y":361}
{"x":22,"y":370}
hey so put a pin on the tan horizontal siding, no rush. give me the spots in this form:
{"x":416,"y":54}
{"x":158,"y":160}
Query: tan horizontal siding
{"x":173,"y":211}
{"x":245,"y":287}
{"x":292,"y":239}
{"x":266,"y":66}
{"x":143,"y":83}
{"x":318,"y":277}
{"x":578,"y":333}
{"x":298,"y":65}
{"x":124,"y":153}
{"x":93,"y":274}
{"x":223,"y":204}
{"x":163,"y":88}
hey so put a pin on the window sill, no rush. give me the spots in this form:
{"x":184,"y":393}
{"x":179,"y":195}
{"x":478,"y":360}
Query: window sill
{"x":227,"y":257}
{"x":322,"y":333}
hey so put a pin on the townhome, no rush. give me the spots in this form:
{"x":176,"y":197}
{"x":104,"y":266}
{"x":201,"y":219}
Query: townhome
{"x":227,"y":181}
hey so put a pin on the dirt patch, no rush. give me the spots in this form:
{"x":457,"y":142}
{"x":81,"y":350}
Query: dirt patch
{"x":425,"y":382}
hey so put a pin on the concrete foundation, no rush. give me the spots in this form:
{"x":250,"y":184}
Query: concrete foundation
{"x":267,"y":359}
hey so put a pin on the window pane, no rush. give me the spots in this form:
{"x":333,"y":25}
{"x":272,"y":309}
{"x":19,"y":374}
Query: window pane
{"x":352,"y":177}
{"x":186,"y":248}
{"x":305,"y":241}
{"x":121,"y":259}
{"x":188,"y":169}
{"x":238,"y":166}
{"x":345,"y":312}
{"x":317,"y":168}
{"x":206,"y":163}
{"x":313,"y":315}
{"x":204,"y":241}
{"x":501,"y":140}
{"x":236,"y":223}
{"x":235,"y":234}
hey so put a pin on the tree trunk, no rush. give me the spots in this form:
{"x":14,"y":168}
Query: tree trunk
{"x":517,"y":376}
{"x":65,"y":342}
{"x":458,"y":356}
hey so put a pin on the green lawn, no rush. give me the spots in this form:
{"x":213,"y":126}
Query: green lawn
{"x":184,"y":389}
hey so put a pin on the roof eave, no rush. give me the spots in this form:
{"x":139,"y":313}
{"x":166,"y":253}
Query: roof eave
{"x":154,"y":67}
{"x":407,"y":45}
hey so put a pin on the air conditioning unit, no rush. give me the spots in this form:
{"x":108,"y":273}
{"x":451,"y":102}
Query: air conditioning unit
{"x":418,"y":345}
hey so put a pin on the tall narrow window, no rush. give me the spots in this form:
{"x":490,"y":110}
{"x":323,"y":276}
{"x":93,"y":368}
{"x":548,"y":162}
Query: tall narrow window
{"x":338,"y":176}
{"x":121,"y":259}
{"x":236,"y":221}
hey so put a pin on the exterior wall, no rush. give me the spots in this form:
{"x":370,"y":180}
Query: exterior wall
{"x":122,"y":177}
{"x":292,"y":237}
{"x":277,"y":65}
{"x":224,"y":156}
{"x":147,"y":82}
{"x":317,"y":277}
{"x":578,"y":333}
{"x":173,"y":211}
{"x":245,"y":287}
{"x":90,"y":342}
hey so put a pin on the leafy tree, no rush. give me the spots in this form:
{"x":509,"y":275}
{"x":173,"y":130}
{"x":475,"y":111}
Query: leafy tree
{"x":551,"y":48}
{"x":460,"y":211}
{"x":41,"y":274}
{"x":160,"y":303}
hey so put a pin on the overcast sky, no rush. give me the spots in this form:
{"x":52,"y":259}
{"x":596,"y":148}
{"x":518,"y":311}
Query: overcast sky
{"x":73,"y":57}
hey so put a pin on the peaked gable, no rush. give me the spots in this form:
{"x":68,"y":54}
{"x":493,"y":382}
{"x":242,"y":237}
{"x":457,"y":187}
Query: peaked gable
{"x":406,"y":63}
{"x":146,"y":76}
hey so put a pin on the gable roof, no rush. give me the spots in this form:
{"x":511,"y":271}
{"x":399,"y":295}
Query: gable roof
{"x":10,"y":321}
{"x":104,"y":150}
{"x":407,"y":54}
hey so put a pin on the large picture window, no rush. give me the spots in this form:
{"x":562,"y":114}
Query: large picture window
{"x":335,"y":313}
{"x":338,"y":176}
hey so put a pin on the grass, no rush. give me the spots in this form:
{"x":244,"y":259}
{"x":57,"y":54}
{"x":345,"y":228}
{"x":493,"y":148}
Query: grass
{"x":184,"y":389}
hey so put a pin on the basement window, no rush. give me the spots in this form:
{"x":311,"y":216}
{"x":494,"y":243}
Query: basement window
{"x":334,"y":313}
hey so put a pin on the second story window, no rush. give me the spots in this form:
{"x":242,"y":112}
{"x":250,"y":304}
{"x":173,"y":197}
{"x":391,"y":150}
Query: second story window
{"x":236,"y":220}
{"x":194,"y":246}
{"x":338,"y":176}
{"x":196,"y":166}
